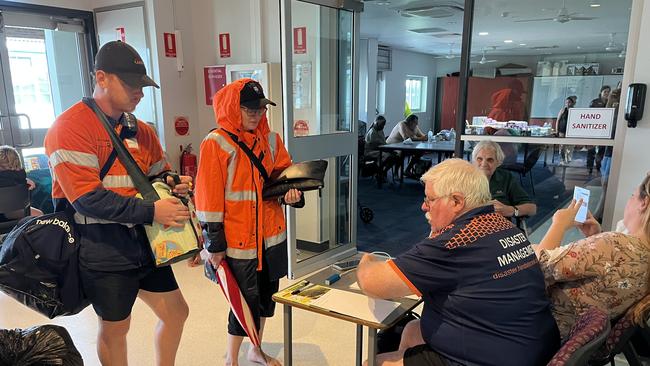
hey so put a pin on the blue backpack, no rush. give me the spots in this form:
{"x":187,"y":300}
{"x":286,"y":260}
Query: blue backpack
{"x":39,"y":265}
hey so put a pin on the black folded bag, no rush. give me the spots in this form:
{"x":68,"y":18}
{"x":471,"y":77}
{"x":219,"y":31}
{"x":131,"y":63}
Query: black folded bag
{"x":39,"y":265}
{"x":304,"y":176}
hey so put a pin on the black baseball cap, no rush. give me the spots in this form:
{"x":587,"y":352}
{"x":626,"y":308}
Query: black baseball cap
{"x":252,"y":96}
{"x":117,"y":57}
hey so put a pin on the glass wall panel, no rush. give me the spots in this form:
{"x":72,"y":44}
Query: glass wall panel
{"x":540,"y":69}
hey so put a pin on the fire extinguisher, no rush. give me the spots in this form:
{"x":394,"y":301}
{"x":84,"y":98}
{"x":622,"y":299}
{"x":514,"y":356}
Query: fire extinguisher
{"x":188,"y":161}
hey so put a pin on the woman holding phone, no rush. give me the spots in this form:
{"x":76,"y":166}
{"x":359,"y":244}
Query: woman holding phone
{"x":609,"y":270}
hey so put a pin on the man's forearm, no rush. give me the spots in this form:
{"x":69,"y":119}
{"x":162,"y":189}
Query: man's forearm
{"x":108,"y":205}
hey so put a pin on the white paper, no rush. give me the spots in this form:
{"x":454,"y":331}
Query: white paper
{"x":356,"y":305}
{"x":578,"y":193}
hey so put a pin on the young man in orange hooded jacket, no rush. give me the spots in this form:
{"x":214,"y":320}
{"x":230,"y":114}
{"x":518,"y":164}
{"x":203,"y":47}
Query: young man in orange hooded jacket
{"x":242,"y":228}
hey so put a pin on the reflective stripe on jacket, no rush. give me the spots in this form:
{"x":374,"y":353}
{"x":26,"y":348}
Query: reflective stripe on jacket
{"x":229,"y":188}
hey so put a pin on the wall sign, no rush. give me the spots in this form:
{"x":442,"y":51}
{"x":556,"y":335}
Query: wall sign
{"x":120,"y":34}
{"x":301,"y":128}
{"x":224,"y":45}
{"x":590,"y":122}
{"x":300,"y":40}
{"x":181,"y":126}
{"x":170,"y":44}
{"x":214,"y":78}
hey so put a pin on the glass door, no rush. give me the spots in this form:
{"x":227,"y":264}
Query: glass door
{"x":320,"y":92}
{"x":44,"y":70}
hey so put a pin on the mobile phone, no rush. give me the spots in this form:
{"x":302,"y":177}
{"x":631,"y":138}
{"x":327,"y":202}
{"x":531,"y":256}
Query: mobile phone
{"x":345,"y":265}
{"x":578,"y":193}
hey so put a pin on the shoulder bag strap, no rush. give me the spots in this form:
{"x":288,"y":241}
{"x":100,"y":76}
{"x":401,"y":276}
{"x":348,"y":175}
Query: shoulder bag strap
{"x":140,"y":180}
{"x":257,"y":161}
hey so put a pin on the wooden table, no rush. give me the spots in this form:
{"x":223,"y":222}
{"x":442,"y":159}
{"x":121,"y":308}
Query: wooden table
{"x":441,"y":148}
{"x":406,"y":305}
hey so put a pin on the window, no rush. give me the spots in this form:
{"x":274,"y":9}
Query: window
{"x":416,"y":93}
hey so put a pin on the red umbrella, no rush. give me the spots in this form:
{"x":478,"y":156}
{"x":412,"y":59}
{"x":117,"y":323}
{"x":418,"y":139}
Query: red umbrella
{"x":226,"y":280}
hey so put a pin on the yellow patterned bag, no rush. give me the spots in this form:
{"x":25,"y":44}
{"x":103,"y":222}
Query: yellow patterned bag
{"x":172,"y":244}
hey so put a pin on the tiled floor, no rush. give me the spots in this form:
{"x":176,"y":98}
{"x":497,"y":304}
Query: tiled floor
{"x":318,"y":340}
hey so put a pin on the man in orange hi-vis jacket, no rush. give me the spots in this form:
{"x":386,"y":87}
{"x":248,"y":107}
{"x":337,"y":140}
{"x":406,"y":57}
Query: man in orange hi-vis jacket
{"x":242,"y":228}
{"x":115,"y":259}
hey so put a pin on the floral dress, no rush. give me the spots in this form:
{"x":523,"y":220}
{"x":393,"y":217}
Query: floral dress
{"x":608,"y":270}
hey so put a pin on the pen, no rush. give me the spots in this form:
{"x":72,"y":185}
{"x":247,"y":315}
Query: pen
{"x":295,"y":292}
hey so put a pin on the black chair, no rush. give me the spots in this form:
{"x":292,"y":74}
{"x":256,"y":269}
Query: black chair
{"x":526,"y":167}
{"x":13,"y":199}
{"x":587,"y":334}
{"x":367,"y":166}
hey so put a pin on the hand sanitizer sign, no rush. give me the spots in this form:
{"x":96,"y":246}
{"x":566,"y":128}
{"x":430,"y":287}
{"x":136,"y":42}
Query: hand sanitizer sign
{"x":590,"y":123}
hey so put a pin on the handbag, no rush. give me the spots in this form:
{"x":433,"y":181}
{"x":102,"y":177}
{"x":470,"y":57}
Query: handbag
{"x":39,"y":261}
{"x":168,"y":244}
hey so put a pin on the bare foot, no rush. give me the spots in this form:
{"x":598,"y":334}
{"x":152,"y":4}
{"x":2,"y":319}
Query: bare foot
{"x":255,"y":354}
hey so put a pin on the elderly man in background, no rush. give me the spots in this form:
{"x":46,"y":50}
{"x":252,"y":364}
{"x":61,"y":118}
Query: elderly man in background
{"x":508,"y":197}
{"x":483,"y":290}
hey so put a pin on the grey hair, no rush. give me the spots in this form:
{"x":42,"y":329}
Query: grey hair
{"x":489,"y":144}
{"x":459,"y":176}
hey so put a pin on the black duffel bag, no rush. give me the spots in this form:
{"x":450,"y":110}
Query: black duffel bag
{"x":39,"y":265}
{"x":41,"y":345}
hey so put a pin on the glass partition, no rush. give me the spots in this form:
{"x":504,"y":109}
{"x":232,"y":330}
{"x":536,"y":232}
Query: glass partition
{"x":320,"y":99}
{"x":542,"y":73}
{"x":322,"y":69}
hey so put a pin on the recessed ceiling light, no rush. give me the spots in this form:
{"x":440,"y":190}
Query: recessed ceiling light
{"x":383,"y":3}
{"x":578,"y":47}
{"x":594,"y":4}
{"x":483,"y":33}
{"x":522,"y":44}
{"x":508,"y":41}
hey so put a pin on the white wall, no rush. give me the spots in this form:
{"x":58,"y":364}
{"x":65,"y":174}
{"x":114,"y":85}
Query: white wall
{"x":631,"y":163}
{"x":408,"y":63}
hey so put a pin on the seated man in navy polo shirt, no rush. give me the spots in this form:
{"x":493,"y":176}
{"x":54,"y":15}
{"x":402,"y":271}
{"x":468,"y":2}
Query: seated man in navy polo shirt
{"x":483,"y":290}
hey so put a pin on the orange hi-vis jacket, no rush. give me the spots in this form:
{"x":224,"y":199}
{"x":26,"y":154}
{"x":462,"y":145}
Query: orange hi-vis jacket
{"x":229,"y":188}
{"x":107,"y":212}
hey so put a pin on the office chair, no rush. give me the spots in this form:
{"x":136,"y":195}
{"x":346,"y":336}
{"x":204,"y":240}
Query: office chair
{"x":13,"y":199}
{"x":587,"y":334}
{"x":620,"y":338}
{"x":526,"y":167}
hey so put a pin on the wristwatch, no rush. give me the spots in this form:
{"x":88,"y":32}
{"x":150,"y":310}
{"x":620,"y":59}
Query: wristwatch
{"x":516,"y":214}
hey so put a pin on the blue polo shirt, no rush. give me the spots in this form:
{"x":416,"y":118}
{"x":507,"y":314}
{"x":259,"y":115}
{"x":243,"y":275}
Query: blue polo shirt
{"x":483,"y":292}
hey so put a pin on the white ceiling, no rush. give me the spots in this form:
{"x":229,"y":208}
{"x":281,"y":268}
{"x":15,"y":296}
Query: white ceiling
{"x":498,"y":18}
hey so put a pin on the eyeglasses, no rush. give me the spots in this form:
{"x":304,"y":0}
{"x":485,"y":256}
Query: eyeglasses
{"x":254,"y":112}
{"x":429,"y":201}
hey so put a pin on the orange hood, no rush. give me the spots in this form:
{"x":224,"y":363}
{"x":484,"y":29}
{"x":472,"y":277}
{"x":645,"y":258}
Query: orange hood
{"x":227,"y":112}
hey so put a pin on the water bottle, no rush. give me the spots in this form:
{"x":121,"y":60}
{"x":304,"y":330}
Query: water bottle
{"x":430,"y":137}
{"x":452,"y":135}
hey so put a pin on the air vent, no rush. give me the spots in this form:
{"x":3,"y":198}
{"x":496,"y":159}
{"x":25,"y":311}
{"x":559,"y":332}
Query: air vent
{"x":428,"y":30}
{"x":446,"y":35}
{"x":544,"y":47}
{"x":442,"y":10}
{"x":384,"y":58}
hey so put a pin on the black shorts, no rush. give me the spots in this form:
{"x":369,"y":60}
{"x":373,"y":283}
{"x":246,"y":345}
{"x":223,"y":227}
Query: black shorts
{"x":113,"y":294}
{"x":423,"y":355}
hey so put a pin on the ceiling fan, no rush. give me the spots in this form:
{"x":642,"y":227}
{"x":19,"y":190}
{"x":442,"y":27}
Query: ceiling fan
{"x":563,"y":16}
{"x":450,"y":55}
{"x":483,"y":60}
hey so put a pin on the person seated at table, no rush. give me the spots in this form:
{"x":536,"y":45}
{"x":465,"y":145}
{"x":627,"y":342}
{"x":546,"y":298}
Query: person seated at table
{"x":508,"y":197}
{"x":483,"y":290}
{"x":374,"y":139}
{"x":408,"y":129}
{"x":12,"y":173}
{"x":609,"y":270}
